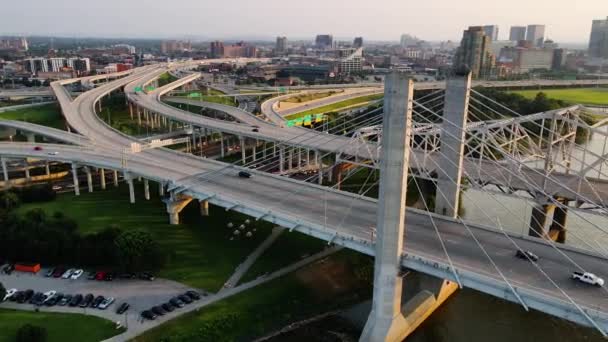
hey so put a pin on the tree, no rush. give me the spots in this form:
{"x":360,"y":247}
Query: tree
{"x":2,"y":291}
{"x":9,"y":200}
{"x":137,"y":250}
{"x":31,"y":333}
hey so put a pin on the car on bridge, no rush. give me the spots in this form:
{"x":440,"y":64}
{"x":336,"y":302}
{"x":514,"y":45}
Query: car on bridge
{"x":526,"y":255}
{"x":244,"y":174}
{"x":588,"y":278}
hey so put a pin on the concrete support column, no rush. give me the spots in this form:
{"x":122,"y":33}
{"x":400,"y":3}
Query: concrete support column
{"x":75,"y":179}
{"x":307,"y":157}
{"x":222,"y":145}
{"x":47,"y":169}
{"x":129,"y":180}
{"x":174,"y":207}
{"x":4,"y":169}
{"x":290,"y":159}
{"x":243,"y":154}
{"x":161,"y":189}
{"x":31,"y":137}
{"x":557,"y":231}
{"x":27,"y":170}
{"x":319,"y":163}
{"x":449,"y":172}
{"x":146,"y":189}
{"x":255,"y":152}
{"x":204,"y":206}
{"x":299,"y":158}
{"x":102,"y":178}
{"x":264,"y":150}
{"x":539,"y":219}
{"x":115,"y":178}
{"x":131,"y":110}
{"x":87,"y":170}
{"x":281,"y":159}
{"x":386,"y":322}
{"x":138,"y":115}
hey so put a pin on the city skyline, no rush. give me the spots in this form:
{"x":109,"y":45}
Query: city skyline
{"x":384,"y":21}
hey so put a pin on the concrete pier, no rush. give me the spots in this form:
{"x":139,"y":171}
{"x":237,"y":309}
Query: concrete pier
{"x":75,"y":179}
{"x":204,"y":207}
{"x":146,"y":189}
{"x":175,"y":206}
{"x":102,"y":178}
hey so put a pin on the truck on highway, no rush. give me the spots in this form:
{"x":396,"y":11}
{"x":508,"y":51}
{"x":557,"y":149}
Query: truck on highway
{"x":588,"y":278}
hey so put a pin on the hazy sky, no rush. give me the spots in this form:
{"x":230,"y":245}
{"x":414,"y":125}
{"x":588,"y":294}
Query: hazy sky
{"x":566,"y":20}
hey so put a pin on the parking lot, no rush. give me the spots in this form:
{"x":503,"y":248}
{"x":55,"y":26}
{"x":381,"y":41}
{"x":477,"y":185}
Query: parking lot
{"x":140,"y":294}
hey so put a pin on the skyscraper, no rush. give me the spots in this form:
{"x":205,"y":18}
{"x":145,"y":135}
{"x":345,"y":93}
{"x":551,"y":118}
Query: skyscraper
{"x":491,"y":31}
{"x":536,"y":34}
{"x":598,"y":42}
{"x":324,"y":41}
{"x":281,"y":45}
{"x":517,"y":33}
{"x":217,"y":49}
{"x":474,"y":52}
{"x":358,"y":42}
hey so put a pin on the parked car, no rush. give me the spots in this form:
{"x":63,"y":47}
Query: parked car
{"x":98,"y":300}
{"x":109,"y":276}
{"x":50,"y":272}
{"x":87,"y":300}
{"x":18,"y":297}
{"x":9,"y":293}
{"x":168,"y":307}
{"x":193,"y":295}
{"x":67,"y":274}
{"x":27,"y":295}
{"x":37,"y":299}
{"x":148,"y":315}
{"x":91,"y":275}
{"x":49,"y":294}
{"x":76,"y":300}
{"x":244,"y":174}
{"x":185,"y":299}
{"x":588,"y":278}
{"x":146,"y":276}
{"x":65,"y":300}
{"x":58,"y":272}
{"x":176,"y":302}
{"x":123,"y":308}
{"x":127,"y":276}
{"x":157,"y":310}
{"x":9,"y":268}
{"x":54,"y":300}
{"x":76,"y":274}
{"x":526,"y":255}
{"x":105,"y":303}
{"x":100,"y":275}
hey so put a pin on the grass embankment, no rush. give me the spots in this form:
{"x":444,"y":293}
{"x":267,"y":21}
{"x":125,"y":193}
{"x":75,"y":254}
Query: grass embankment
{"x":115,"y":113}
{"x":165,"y":79}
{"x":60,"y":327}
{"x":46,"y":115}
{"x":309,"y":97}
{"x":588,"y":96}
{"x":350,"y":103}
{"x":199,"y":251}
{"x":332,"y":283}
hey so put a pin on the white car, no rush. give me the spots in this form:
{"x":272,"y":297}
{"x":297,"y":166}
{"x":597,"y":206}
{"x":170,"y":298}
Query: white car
{"x":76,"y":274}
{"x":48,"y":295}
{"x":107,"y":302}
{"x":53,"y":153}
{"x":588,"y":278}
{"x":68,"y":273}
{"x":9,"y":294}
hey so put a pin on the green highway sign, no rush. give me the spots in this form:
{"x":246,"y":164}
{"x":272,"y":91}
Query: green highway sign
{"x":138,"y":89}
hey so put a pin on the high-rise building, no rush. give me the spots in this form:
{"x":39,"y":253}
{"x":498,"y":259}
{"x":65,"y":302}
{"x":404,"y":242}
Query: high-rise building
{"x":350,"y":60}
{"x":358,"y":42}
{"x":517,"y":33}
{"x":324,"y":41}
{"x":536,"y":34}
{"x":240,"y":49}
{"x":407,"y":40}
{"x":281,"y":45}
{"x":170,"y":46}
{"x":17,"y":44}
{"x":217,"y":49}
{"x":474,"y":52}
{"x":491,"y":31}
{"x":598,"y":42}
{"x":57,"y":64}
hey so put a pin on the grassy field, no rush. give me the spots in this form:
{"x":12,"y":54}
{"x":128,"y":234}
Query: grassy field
{"x":229,"y":101}
{"x":358,"y":101}
{"x":309,"y":97}
{"x":47,"y":115}
{"x":200,"y":252}
{"x":60,"y":327}
{"x":325,"y":285}
{"x":287,"y":249}
{"x":590,"y":96}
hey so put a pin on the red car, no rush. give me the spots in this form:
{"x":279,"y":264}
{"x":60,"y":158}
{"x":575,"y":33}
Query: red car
{"x":100,"y":276}
{"x":37,"y":148}
{"x":58,"y":272}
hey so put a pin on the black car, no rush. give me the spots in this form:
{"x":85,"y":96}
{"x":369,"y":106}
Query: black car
{"x":65,"y":300}
{"x":54,"y":300}
{"x":193,"y":295}
{"x":123,"y":308}
{"x":8,"y":269}
{"x":76,"y":300}
{"x":109,"y":276}
{"x":176,"y":302}
{"x":526,"y":255}
{"x":185,"y":299}
{"x":91,"y":275}
{"x":148,"y":315}
{"x":37,"y":299}
{"x":146,"y":276}
{"x":167,"y":307}
{"x":157,"y":310}
{"x":27,"y":295}
{"x":95,"y":303}
{"x":244,"y":174}
{"x":88,"y":299}
{"x":127,"y":276}
{"x":16,"y":296}
{"x":50,"y":272}
{"x":255,"y":130}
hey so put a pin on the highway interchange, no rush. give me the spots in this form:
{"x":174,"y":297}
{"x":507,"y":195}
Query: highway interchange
{"x":335,"y":216}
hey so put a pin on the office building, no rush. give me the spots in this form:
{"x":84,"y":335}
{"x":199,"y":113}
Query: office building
{"x":240,"y":49}
{"x":491,"y":31}
{"x":536,"y":35}
{"x":517,"y":33}
{"x":58,"y":64}
{"x":559,"y":59}
{"x":350,"y":60}
{"x":281,"y":45}
{"x":598,"y":42}
{"x":407,"y":40}
{"x":173,"y":46}
{"x":474,"y":52}
{"x":16,"y":44}
{"x":217,"y":49}
{"x":324,"y":41}
{"x":358,"y":42}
